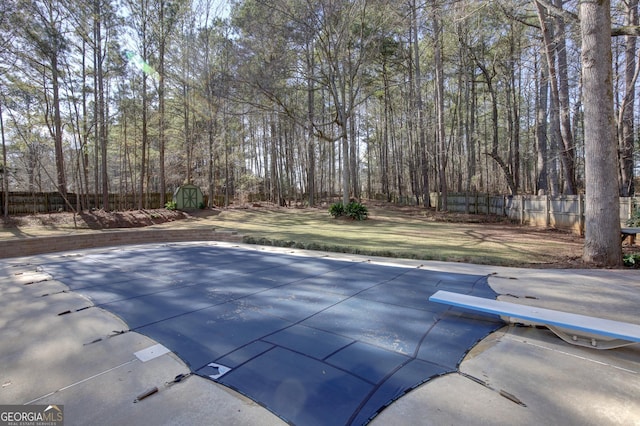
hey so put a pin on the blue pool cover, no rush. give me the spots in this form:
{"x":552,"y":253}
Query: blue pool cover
{"x":317,"y":341}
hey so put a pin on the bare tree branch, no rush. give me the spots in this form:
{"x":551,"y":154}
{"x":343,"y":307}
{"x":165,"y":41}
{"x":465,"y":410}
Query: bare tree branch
{"x":631,"y":30}
{"x":557,"y":11}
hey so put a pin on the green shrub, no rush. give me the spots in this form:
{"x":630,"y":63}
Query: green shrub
{"x":353,"y":210}
{"x":171,"y":205}
{"x":336,"y":209}
{"x":631,"y":260}
{"x":356,"y":211}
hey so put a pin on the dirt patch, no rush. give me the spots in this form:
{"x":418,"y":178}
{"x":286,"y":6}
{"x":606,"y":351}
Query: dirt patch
{"x":97,"y":219}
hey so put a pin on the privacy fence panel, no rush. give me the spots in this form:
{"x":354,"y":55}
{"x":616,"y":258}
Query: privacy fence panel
{"x":50,"y":202}
{"x":560,"y":212}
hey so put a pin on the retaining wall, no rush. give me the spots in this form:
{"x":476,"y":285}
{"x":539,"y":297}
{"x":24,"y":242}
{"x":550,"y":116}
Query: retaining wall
{"x":29,"y":246}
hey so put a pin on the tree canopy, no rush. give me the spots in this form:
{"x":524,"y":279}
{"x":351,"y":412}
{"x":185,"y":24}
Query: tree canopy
{"x":304,"y":101}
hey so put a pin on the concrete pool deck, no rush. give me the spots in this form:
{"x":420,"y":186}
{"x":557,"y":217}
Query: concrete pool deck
{"x":50,"y":355}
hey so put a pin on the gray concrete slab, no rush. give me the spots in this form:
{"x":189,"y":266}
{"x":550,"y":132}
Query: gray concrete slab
{"x":76,"y":360}
{"x":108,"y":399}
{"x":527,"y":376}
{"x":454,"y":400}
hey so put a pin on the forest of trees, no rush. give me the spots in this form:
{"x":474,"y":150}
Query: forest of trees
{"x":292,"y":100}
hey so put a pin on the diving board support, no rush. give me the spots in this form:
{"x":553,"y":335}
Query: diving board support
{"x":631,"y":233}
{"x":587,"y":331}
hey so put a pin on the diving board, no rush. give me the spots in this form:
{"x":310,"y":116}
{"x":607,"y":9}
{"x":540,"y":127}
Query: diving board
{"x":631,"y":233}
{"x":591,"y":329}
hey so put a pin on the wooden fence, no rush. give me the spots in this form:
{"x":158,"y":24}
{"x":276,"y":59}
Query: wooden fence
{"x":48,"y":202}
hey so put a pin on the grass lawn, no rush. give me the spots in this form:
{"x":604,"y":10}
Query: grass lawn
{"x":408,"y":233}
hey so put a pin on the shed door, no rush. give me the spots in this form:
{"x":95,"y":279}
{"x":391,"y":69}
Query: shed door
{"x":190,"y":198}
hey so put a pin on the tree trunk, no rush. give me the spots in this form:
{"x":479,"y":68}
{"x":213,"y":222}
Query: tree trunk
{"x":57,"y":125}
{"x":85,"y":132}
{"x":100,"y":120}
{"x":559,"y":98}
{"x":145,"y":141}
{"x":542,"y":185}
{"x":273,"y":161}
{"x":626,"y":114}
{"x":345,"y":165}
{"x":5,"y":169}
{"x":353,"y":158}
{"x":384,"y":147}
{"x":161,"y":112}
{"x":568,"y":152}
{"x":188,"y":143}
{"x":96,"y":135}
{"x":145,"y":108}
{"x":515,"y":86}
{"x":311,"y":150}
{"x":602,"y":209}
{"x":211,"y":114}
{"x":210,"y":170}
{"x":424,"y":167}
{"x":439,"y":100}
